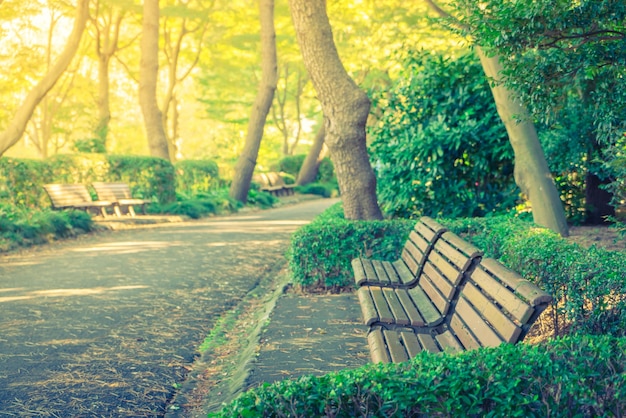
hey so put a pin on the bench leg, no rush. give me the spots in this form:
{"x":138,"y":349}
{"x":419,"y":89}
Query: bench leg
{"x":117,"y":210}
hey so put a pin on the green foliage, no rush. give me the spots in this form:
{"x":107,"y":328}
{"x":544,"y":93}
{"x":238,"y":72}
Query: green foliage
{"x":261,"y":199}
{"x":215,"y":202}
{"x":320,"y":189}
{"x":291,"y":164}
{"x":440,"y":147}
{"x":20,"y":226}
{"x":148,"y":177}
{"x":194,"y":176}
{"x":589,"y":285}
{"x":21,"y":181}
{"x":90,"y":145}
{"x":326,"y":171}
{"x":583,"y":376}
{"x":320,"y":252}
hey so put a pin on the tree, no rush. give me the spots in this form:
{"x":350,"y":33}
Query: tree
{"x":345,"y":109}
{"x":310,"y":165}
{"x":106,"y":24}
{"x":152,"y":116}
{"x":244,"y":168}
{"x":532,"y":174}
{"x":17,"y":125}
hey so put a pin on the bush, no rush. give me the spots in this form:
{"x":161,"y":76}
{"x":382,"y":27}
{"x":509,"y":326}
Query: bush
{"x":582,"y":376}
{"x":320,"y":252}
{"x":22,"y":227}
{"x":291,"y":165}
{"x":196,"y":176}
{"x":440,"y":148}
{"x":319,"y":189}
{"x":589,"y":285}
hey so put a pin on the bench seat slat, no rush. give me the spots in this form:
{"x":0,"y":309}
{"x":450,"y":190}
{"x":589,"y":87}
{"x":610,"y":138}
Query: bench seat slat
{"x":381,"y":273}
{"x":411,"y":343}
{"x":368,"y":308}
{"x":415,"y":319}
{"x":359,"y":272}
{"x":395,"y":306}
{"x":395,"y":346}
{"x":378,"y":350}
{"x":428,"y":311}
{"x":403,"y":272}
{"x":384,"y":313}
{"x":392,"y":275}
{"x":448,"y":342}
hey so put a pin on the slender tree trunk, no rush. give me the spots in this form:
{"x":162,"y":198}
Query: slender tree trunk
{"x":149,"y":68}
{"x":310,"y":166}
{"x":16,"y":127}
{"x":345,"y":109}
{"x":269,"y":77}
{"x":532,"y":174}
{"x":103,"y":101}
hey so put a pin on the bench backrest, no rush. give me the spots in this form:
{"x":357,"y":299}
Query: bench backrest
{"x":262,"y":179}
{"x":496,"y":305}
{"x":112,"y":191}
{"x":447,"y":264}
{"x":416,"y":249}
{"x":275,"y":179}
{"x":65,"y":195}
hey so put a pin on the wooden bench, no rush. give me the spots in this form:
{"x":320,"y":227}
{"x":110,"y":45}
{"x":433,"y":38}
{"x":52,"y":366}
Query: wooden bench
{"x":75,"y":196}
{"x":119,"y":194}
{"x":427,"y":301}
{"x":274,"y":184}
{"x":405,"y":271}
{"x":494,"y":305}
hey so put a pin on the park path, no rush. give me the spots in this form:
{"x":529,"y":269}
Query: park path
{"x":108,"y":325}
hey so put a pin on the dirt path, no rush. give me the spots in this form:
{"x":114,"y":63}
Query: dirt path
{"x":109,"y":325}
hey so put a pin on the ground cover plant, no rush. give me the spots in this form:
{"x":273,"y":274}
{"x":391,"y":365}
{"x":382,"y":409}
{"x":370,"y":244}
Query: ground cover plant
{"x":572,"y":376}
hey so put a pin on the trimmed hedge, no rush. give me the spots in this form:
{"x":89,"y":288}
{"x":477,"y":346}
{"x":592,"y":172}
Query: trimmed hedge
{"x":582,"y":376}
{"x":196,"y":176}
{"x":320,"y":252}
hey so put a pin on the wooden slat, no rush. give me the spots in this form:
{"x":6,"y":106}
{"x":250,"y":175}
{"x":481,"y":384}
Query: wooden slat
{"x":533,"y":294}
{"x":376,"y":342}
{"x":399,"y":316}
{"x":395,"y":347}
{"x":422,"y":229}
{"x":410,"y":342}
{"x":394,"y":279}
{"x":410,"y":262}
{"x":415,"y":252}
{"x":406,"y":277}
{"x":428,"y":343}
{"x":507,"y":329}
{"x":453,"y":275}
{"x":381,"y":274}
{"x":384,"y":313}
{"x":415,"y":319}
{"x":359,"y":272}
{"x":370,"y":273}
{"x":448,"y":342}
{"x":434,"y":295}
{"x":419,"y":242}
{"x":433,"y":225}
{"x":439,"y":281}
{"x":481,"y":330}
{"x":424,"y":305}
{"x":463,"y":333}
{"x":465,"y":247}
{"x":368,"y":308}
{"x":502,"y":295}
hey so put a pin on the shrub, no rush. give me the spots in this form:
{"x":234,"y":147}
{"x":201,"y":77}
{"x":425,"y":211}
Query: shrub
{"x":291,"y":164}
{"x":440,"y":140}
{"x":320,"y":252}
{"x":589,"y":285}
{"x":320,"y":189}
{"x":195,"y":176}
{"x":575,"y":376}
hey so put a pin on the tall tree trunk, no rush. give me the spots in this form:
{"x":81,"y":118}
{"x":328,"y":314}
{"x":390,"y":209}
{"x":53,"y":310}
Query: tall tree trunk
{"x":532,"y":174}
{"x":345,"y":109}
{"x":103,"y":102}
{"x":149,"y":68}
{"x":269,"y":77}
{"x":16,"y":127}
{"x":310,"y":165}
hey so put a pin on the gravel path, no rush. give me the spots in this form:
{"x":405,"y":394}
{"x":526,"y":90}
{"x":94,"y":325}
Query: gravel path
{"x":108,"y":325}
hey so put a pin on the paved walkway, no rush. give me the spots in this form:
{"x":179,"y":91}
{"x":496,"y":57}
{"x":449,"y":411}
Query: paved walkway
{"x":108,"y":325}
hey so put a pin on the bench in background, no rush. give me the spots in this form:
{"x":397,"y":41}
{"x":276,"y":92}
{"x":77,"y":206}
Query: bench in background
{"x":273,"y":183}
{"x":119,"y":194}
{"x":75,"y":196}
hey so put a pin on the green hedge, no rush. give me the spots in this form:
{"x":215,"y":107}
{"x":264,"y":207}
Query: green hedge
{"x":196,"y":176}
{"x":582,"y":376}
{"x":320,"y":252}
{"x":589,"y":285}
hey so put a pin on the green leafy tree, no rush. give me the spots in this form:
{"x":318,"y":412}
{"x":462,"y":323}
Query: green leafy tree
{"x":439,"y":146}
